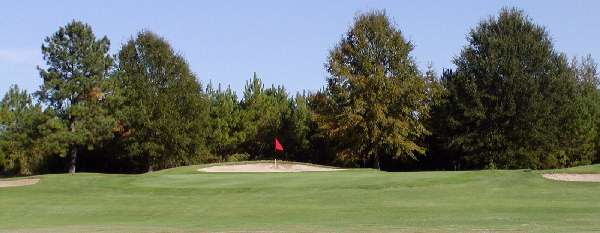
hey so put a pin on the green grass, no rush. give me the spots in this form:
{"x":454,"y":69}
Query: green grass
{"x":358,"y":200}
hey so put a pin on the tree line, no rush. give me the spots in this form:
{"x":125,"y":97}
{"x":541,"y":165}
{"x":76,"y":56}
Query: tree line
{"x":513,"y":101}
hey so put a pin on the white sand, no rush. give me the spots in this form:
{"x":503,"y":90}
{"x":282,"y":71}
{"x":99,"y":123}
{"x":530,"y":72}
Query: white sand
{"x":267,"y":167}
{"x":573,"y":177}
{"x":21,"y":182}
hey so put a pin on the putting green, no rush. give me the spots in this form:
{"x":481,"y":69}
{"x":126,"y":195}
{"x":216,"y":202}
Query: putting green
{"x":355,"y":200}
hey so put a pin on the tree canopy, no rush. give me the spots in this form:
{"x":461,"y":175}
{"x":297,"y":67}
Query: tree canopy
{"x":77,"y":66}
{"x":164,"y":111}
{"x":512,"y":101}
{"x":377,"y":97}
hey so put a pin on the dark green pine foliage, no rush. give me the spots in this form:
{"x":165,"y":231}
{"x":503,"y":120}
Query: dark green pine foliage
{"x":264,"y":111}
{"x":77,"y":66}
{"x":225,"y":122}
{"x":584,"y":131}
{"x":15,"y":110}
{"x":164,"y":113}
{"x":508,"y":102}
{"x":248,"y":127}
{"x":378,"y":100}
{"x":298,"y":126}
{"x":28,"y":136}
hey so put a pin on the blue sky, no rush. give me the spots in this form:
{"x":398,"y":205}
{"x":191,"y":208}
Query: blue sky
{"x":285,"y":42}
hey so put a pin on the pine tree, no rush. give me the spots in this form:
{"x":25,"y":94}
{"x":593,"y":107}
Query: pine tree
{"x":262,"y":118}
{"x":225,"y":122}
{"x":583,"y":136}
{"x":28,"y":136}
{"x":297,"y":128}
{"x":74,"y":85}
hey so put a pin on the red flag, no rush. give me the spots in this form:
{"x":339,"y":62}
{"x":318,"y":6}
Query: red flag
{"x":278,"y":146}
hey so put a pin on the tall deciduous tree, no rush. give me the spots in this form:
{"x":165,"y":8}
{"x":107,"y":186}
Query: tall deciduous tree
{"x":379,"y":99}
{"x":509,"y":99}
{"x":164,"y":110}
{"x":74,"y":85}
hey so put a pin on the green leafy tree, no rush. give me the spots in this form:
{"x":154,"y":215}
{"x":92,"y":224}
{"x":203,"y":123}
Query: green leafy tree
{"x":508,"y":102}
{"x":164,"y":112}
{"x":74,"y":85}
{"x":378,"y":98}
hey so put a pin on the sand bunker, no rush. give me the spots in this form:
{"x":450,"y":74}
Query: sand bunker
{"x":267,"y":167}
{"x":21,"y":182}
{"x":573,"y":177}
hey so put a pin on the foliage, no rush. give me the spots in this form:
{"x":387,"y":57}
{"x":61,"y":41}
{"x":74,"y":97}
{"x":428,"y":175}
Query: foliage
{"x":377,"y":96}
{"x":509,"y":101}
{"x":250,"y":125}
{"x":264,"y":111}
{"x":27,"y":135}
{"x":225,"y":122}
{"x":238,"y":157}
{"x":513,"y":101}
{"x":584,"y":131}
{"x":298,"y":126}
{"x":74,"y":85}
{"x":164,"y":110}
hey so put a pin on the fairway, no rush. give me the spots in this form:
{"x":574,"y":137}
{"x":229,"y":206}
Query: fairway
{"x":356,"y":200}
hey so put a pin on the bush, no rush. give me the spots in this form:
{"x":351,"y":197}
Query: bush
{"x":238,"y":157}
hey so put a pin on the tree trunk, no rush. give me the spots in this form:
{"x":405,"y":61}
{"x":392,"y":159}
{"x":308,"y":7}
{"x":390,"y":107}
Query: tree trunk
{"x":73,"y":159}
{"x":150,"y":162}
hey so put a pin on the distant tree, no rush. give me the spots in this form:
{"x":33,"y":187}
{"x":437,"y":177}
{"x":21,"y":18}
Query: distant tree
{"x":297,"y":129}
{"x":262,"y":119}
{"x":435,"y":89}
{"x":164,"y":111}
{"x":74,"y":85}
{"x":508,"y":102}
{"x":250,"y":125}
{"x":583,"y":134}
{"x":15,"y":104}
{"x":14,"y":110}
{"x":323,"y":146}
{"x":225,"y":122}
{"x":27,"y":135}
{"x":378,"y":98}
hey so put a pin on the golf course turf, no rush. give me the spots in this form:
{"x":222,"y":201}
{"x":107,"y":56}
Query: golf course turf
{"x":356,"y":200}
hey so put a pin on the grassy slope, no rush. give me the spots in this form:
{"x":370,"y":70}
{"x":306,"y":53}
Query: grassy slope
{"x":362,"y":200}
